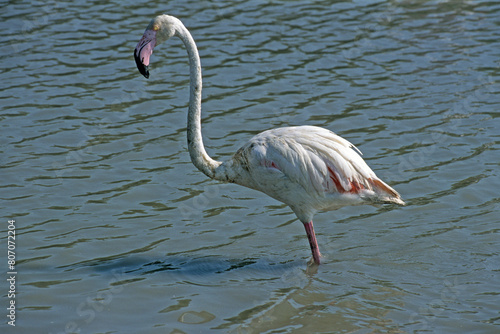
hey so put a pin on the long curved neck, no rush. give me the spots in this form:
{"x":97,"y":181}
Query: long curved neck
{"x":199,"y":156}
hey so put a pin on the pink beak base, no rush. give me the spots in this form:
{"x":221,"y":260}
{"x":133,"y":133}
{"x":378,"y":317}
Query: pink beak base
{"x":144,"y":50}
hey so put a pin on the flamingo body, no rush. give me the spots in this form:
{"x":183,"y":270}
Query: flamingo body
{"x":306,"y":167}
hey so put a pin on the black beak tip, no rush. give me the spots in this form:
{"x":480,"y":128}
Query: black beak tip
{"x":143,"y":69}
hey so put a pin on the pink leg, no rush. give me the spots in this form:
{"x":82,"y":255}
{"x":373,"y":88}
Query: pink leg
{"x":312,"y":241}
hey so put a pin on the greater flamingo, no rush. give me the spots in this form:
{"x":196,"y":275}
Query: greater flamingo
{"x":306,"y":167}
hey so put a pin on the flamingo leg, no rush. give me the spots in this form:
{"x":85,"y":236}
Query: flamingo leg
{"x":311,"y":236}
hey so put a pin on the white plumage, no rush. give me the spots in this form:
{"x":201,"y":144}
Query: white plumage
{"x":306,"y":167}
{"x":309,"y":168}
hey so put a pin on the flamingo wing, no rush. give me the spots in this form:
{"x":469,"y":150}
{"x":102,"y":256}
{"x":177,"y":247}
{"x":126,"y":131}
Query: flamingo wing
{"x":310,"y":166}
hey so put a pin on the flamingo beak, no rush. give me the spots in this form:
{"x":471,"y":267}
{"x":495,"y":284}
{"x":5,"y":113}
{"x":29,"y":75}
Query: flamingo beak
{"x":144,"y":50}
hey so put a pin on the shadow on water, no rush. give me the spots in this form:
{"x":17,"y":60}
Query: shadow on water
{"x":185,"y":266}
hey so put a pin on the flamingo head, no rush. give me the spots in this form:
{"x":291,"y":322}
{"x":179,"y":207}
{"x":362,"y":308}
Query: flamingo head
{"x":160,"y":29}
